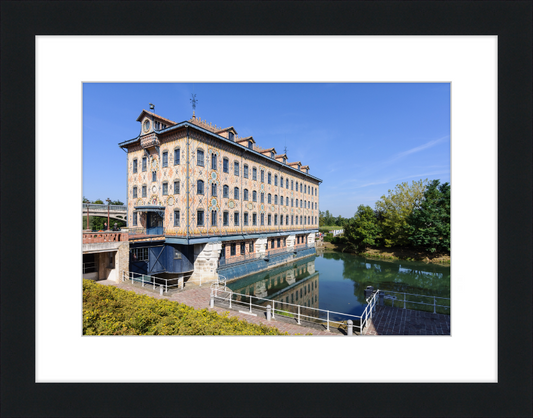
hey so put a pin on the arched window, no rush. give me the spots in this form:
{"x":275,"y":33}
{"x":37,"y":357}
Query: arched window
{"x":275,"y":199}
{"x":236,"y":193}
{"x":245,"y":171}
{"x":245,"y":194}
{"x":236,"y":219}
{"x":225,"y":191}
{"x":200,"y":158}
{"x":165,"y":188}
{"x":213,"y":161}
{"x":254,"y":196}
{"x":269,"y":198}
{"x":269,"y":178}
{"x":287,"y":183}
{"x":281,"y":182}
{"x":225,"y":165}
{"x":276,"y":180}
{"x":135,"y":165}
{"x":262,"y":198}
{"x":135,"y":192}
{"x":262,"y":176}
{"x":281,"y":200}
{"x":200,"y":187}
{"x":176,"y":156}
{"x":236,"y":168}
{"x":254,"y":173}
{"x":213,"y":189}
{"x":165,"y":159}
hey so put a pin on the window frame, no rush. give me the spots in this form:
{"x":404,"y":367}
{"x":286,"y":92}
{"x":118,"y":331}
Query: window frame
{"x":225,"y":165}
{"x":236,"y":219}
{"x":177,"y":153}
{"x":236,"y":169}
{"x":198,"y":191}
{"x":176,"y":182}
{"x":225,"y":191}
{"x":198,"y":212}
{"x":213,"y":189}
{"x":236,"y":193}
{"x":164,"y":190}
{"x":177,"y":218}
{"x":254,"y":173}
{"x":213,"y":218}
{"x":164,"y":159}
{"x":213,"y":161}
{"x":245,"y":171}
{"x":200,"y":162}
{"x":225,"y":218}
{"x":134,"y":192}
{"x":134,"y":168}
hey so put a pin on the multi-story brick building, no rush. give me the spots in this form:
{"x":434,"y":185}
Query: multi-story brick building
{"x":201,"y":199}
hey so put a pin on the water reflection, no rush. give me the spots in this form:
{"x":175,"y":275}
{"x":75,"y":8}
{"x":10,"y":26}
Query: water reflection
{"x":341,"y":283}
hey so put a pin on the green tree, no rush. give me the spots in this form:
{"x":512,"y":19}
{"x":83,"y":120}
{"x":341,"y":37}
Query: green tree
{"x":394,"y":211}
{"x":116,"y":202}
{"x":430,"y":223}
{"x":98,"y":202}
{"x":85,"y":200}
{"x":363,"y":229}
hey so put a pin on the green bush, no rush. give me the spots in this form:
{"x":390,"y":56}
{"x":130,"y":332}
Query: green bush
{"x":339,"y":240}
{"x":328,"y":237}
{"x":108,"y":310}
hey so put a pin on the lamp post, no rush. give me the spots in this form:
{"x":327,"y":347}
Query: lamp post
{"x":108,"y":200}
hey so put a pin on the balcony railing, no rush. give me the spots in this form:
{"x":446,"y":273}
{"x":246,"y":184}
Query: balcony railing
{"x":97,"y":237}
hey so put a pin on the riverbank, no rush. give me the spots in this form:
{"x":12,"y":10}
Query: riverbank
{"x":394,"y":253}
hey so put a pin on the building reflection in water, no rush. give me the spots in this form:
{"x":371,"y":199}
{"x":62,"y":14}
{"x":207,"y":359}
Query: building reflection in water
{"x":295,"y":283}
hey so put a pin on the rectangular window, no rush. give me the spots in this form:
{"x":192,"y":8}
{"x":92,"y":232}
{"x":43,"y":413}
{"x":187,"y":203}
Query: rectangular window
{"x":200,"y":218}
{"x":165,"y":189}
{"x":165,"y":159}
{"x":292,"y":184}
{"x":134,"y":166}
{"x":254,"y":196}
{"x":245,"y":171}
{"x":296,"y":202}
{"x":276,"y":199}
{"x":292,"y":202}
{"x":236,"y":168}
{"x":279,"y":242}
{"x":276,"y":180}
{"x":262,"y":198}
{"x":250,"y":145}
{"x":243,"y":248}
{"x":177,"y":187}
{"x":154,"y":175}
{"x":176,"y":218}
{"x":225,"y":165}
{"x":292,"y":219}
{"x":144,"y":164}
{"x":139,"y":254}
{"x":287,"y":220}
{"x":281,"y":200}
{"x":233,"y":249}
{"x":134,"y":218}
{"x":144,"y":191}
{"x":254,"y":219}
{"x":281,"y":220}
{"x":245,"y":194}
{"x":269,"y":220}
{"x":262,"y":176}
{"x":213,"y":218}
{"x":236,"y":193}
{"x":176,"y":156}
{"x":275,"y":219}
{"x":287,"y":184}
{"x":225,"y":191}
{"x":236,"y":218}
{"x":225,"y":218}
{"x":281,"y":182}
{"x":213,"y":161}
{"x":254,"y":173}
{"x":134,"y":192}
{"x":251,"y":247}
{"x":231,"y":136}
{"x":262,"y":219}
{"x":245,"y":220}
{"x":200,"y":158}
{"x":297,"y":220}
{"x":213,"y":189}
{"x":269,"y":178}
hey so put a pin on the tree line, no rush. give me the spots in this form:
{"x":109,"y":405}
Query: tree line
{"x":416,"y":215}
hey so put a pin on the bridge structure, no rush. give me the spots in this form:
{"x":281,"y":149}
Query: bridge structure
{"x":119,"y":212}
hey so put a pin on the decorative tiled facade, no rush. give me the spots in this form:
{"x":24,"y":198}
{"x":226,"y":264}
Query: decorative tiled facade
{"x":252,"y":191}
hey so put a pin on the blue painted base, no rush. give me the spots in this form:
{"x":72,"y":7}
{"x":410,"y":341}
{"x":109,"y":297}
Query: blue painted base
{"x":254,"y":266}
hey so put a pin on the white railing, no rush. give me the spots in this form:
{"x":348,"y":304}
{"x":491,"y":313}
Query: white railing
{"x":403,"y":298}
{"x":163,"y":284}
{"x":298,"y":312}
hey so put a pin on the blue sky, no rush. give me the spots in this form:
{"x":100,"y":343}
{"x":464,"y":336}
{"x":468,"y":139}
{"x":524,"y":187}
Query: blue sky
{"x":360,"y":139}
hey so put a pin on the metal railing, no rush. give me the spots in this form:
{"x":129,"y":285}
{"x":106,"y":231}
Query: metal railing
{"x":100,"y":207}
{"x":407,"y":300}
{"x":155,"y":282}
{"x":89,"y":267}
{"x":298,"y":312}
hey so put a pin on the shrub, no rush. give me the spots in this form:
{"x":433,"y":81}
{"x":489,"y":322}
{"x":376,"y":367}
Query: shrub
{"x":108,"y":310}
{"x":328,"y":237}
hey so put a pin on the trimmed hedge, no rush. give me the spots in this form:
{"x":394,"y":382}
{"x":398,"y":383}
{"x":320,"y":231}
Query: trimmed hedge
{"x":108,"y":310}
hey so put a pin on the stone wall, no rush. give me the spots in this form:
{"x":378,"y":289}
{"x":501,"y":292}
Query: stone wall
{"x":206,"y":261}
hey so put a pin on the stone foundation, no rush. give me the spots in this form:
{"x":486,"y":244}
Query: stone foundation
{"x":206,"y":258}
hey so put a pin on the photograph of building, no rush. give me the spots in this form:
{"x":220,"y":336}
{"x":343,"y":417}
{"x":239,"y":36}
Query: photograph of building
{"x":203,"y":201}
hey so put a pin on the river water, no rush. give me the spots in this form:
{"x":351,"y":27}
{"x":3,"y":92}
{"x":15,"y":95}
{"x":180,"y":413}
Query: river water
{"x":336,"y":281}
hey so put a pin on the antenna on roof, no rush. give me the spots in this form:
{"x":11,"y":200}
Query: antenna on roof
{"x":285,"y":150}
{"x":194,"y":100}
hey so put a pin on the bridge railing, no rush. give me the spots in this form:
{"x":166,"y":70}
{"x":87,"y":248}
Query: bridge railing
{"x":99,"y":207}
{"x":414,"y":301}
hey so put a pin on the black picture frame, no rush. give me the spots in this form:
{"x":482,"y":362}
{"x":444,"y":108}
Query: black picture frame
{"x":509,"y":20}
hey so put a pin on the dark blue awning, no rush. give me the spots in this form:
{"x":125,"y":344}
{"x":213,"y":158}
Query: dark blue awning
{"x":149,"y":208}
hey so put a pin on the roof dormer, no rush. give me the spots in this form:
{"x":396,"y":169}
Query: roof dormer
{"x":228,"y":133}
{"x":282,"y":158}
{"x":151,"y":122}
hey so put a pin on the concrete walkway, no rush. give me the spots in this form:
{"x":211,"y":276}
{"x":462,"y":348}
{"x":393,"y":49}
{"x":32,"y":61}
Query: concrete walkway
{"x":198,"y":298}
{"x":398,"y":321}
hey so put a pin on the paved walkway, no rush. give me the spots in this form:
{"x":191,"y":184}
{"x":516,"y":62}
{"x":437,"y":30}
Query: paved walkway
{"x":398,"y":321}
{"x":198,"y":298}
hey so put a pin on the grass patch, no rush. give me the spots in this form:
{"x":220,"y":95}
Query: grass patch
{"x":108,"y":310}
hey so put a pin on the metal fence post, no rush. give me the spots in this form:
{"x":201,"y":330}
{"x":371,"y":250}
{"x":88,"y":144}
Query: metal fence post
{"x":142,"y":280}
{"x":328,"y":321}
{"x":273,"y":309}
{"x":404,"y":300}
{"x":153,"y":286}
{"x":166,"y":286}
{"x":250,"y":303}
{"x":269,"y":315}
{"x":434,"y":305}
{"x":230,"y":297}
{"x":298,"y":314}
{"x":161,"y":290}
{"x":212,"y":301}
{"x":350,"y":327}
